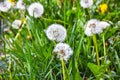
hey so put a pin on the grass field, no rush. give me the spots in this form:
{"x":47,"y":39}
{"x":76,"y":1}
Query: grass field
{"x":27,"y":52}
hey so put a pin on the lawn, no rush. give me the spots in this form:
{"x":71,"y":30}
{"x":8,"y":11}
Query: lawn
{"x":59,"y":40}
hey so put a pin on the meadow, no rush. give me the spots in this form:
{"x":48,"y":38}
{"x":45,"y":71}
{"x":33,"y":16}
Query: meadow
{"x":60,"y":40}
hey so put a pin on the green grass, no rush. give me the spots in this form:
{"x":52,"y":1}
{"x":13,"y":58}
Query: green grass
{"x":30,"y":51}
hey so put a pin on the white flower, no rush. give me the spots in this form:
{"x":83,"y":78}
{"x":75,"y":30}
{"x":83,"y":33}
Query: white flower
{"x":35,"y":9}
{"x":20,"y":5}
{"x":5,"y":6}
{"x":63,"y":51}
{"x":86,"y":3}
{"x":16,"y":24}
{"x":95,"y":26}
{"x":56,"y":32}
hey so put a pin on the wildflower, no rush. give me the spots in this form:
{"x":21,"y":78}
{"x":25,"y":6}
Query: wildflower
{"x":11,"y":1}
{"x":56,"y":32}
{"x":95,"y":26}
{"x":5,"y":6}
{"x":86,"y":3}
{"x":35,"y":9}
{"x":20,"y":5}
{"x":63,"y":51}
{"x":103,"y":8}
{"x":16,"y":24}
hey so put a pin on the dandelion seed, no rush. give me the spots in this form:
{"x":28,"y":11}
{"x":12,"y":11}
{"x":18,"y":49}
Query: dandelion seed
{"x":63,"y":51}
{"x":16,"y":24}
{"x":35,"y":9}
{"x":103,"y":8}
{"x":104,"y":24}
{"x":95,"y":26}
{"x":20,"y":5}
{"x":56,"y":32}
{"x":86,"y":3}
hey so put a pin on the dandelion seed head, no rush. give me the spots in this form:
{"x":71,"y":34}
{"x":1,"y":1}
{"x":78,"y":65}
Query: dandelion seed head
{"x":86,"y":3}
{"x":63,"y":51}
{"x":20,"y":5}
{"x":95,"y":26}
{"x":16,"y":24}
{"x":35,"y":9}
{"x":91,"y":27}
{"x":56,"y":32}
{"x":5,"y":6}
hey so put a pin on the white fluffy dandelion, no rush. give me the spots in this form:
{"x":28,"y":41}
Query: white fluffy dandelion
{"x":35,"y":9}
{"x":16,"y":24}
{"x":95,"y":26}
{"x":91,"y":27}
{"x":56,"y":32}
{"x":20,"y":5}
{"x":86,"y":3}
{"x":63,"y":51}
{"x":5,"y":6}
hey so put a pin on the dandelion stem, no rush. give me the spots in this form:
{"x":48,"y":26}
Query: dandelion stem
{"x":19,"y":31}
{"x":17,"y":35}
{"x":63,"y":69}
{"x":96,"y":47}
{"x":28,"y":30}
{"x":9,"y":69}
{"x":104,"y":47}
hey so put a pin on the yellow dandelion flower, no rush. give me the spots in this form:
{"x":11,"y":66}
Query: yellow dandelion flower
{"x":11,"y":1}
{"x":103,"y":8}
